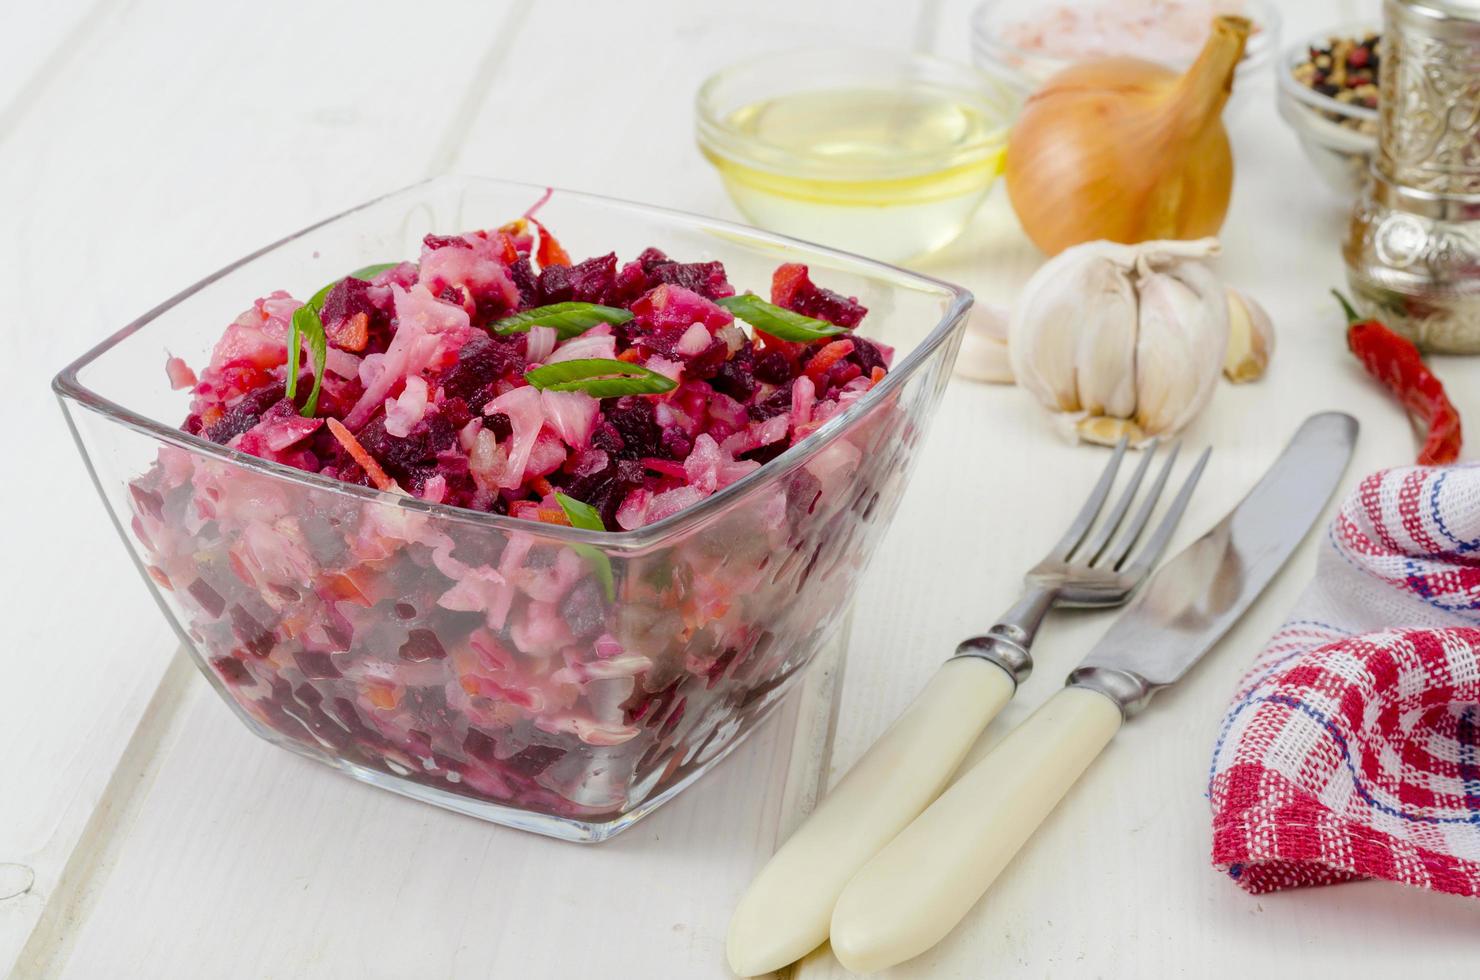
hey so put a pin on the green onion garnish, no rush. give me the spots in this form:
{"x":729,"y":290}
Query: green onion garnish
{"x":583,"y":515}
{"x":777,"y":321}
{"x":568,"y":319}
{"x":599,"y":377}
{"x":307,"y":322}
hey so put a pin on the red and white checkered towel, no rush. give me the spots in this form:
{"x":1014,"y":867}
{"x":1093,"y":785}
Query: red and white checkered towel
{"x":1352,"y":749}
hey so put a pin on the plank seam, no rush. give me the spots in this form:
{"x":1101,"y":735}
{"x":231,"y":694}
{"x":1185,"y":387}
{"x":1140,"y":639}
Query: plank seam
{"x":97,"y":848}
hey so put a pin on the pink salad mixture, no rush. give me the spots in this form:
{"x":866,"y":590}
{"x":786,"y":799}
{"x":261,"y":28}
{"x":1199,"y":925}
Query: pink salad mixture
{"x":491,"y":661}
{"x":434,"y":404}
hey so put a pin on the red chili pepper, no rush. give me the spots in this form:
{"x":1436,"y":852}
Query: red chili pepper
{"x":1394,"y":361}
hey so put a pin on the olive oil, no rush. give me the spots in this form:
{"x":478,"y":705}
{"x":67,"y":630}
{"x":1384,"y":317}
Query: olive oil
{"x":888,"y":173}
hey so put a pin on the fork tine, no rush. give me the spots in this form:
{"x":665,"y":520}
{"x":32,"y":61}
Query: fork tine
{"x":1091,"y":507}
{"x":1101,"y":538}
{"x":1138,"y":523}
{"x":1163,"y":533}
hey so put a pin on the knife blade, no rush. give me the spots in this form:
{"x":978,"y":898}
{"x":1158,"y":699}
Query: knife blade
{"x":914,"y":891}
{"x":1194,"y":598}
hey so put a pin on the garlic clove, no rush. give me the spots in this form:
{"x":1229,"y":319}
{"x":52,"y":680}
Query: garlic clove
{"x":983,"y":355}
{"x":1179,"y":349}
{"x":1105,"y":362}
{"x":1044,"y":336}
{"x":1250,"y":338}
{"x":1104,"y":431}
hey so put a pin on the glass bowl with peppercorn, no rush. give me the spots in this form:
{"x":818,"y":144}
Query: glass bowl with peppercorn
{"x":1328,"y":95}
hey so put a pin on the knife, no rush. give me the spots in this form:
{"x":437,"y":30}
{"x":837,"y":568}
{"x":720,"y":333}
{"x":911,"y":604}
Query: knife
{"x":914,"y":891}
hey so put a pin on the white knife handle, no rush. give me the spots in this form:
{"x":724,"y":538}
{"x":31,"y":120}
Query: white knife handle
{"x":785,"y":913}
{"x":922,"y":883}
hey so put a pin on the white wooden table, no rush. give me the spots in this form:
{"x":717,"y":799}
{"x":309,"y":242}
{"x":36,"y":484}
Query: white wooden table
{"x":145,"y":833}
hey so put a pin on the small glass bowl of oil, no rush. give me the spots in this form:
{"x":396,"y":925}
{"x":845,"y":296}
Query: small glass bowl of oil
{"x":883,"y":153}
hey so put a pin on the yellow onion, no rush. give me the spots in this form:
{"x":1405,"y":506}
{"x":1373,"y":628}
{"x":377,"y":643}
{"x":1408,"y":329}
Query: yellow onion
{"x":1127,"y":150}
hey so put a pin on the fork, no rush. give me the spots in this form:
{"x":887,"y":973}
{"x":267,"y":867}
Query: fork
{"x":787,"y":909}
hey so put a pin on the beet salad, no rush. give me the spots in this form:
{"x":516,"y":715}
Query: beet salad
{"x":479,"y":663}
{"x":497,"y":375}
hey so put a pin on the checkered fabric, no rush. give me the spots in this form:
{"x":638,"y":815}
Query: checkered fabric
{"x":1352,"y":748}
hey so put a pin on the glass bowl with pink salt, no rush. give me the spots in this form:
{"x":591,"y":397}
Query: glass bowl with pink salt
{"x":1032,"y":40}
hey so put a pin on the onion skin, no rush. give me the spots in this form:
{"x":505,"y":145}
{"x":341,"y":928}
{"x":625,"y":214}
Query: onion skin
{"x":1127,"y":150}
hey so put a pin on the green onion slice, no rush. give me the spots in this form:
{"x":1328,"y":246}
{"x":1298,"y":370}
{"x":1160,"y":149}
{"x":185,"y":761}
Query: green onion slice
{"x":583,"y":515}
{"x":568,"y":319}
{"x":599,"y":377}
{"x":777,"y":321}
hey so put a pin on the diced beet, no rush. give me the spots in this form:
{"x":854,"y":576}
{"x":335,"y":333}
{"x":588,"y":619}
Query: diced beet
{"x":399,"y":457}
{"x":590,"y":281}
{"x":526,"y":282}
{"x":147,"y":501}
{"x":256,"y":638}
{"x":500,"y":425}
{"x":736,"y":376}
{"x":776,"y":403}
{"x":532,"y":760}
{"x":481,"y":746}
{"x":347,"y":297}
{"x":435,"y":242}
{"x":774,"y":368}
{"x":422,"y":645}
{"x":484,"y":358}
{"x":606,"y":438}
{"x":634,"y":418}
{"x":210,"y":600}
{"x":866,"y":355}
{"x":247,"y":412}
{"x":232,"y":670}
{"x":793,"y":288}
{"x":705,"y":278}
{"x":315,"y":664}
{"x":676,"y":443}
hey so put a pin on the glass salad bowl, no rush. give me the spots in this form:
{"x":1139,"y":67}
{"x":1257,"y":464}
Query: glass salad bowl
{"x":555,"y":679}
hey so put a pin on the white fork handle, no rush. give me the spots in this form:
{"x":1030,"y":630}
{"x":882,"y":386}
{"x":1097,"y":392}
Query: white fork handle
{"x":918,"y":887}
{"x":786,"y":911}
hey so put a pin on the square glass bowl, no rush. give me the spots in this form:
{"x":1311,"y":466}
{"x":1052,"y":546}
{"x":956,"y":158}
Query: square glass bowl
{"x":542,"y":677}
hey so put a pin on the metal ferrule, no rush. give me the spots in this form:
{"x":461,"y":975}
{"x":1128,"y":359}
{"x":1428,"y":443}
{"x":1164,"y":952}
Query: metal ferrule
{"x":1129,"y":691}
{"x":1001,"y":650}
{"x":1007,"y":643}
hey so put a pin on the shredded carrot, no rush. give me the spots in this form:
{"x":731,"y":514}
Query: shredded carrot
{"x":542,"y":486}
{"x":359,"y":455}
{"x":824,"y":359}
{"x":876,"y":376}
{"x":352,"y":334}
{"x":511,"y":252}
{"x":163,"y":580}
{"x":629,"y":356}
{"x":381,"y":695}
{"x":550,"y":251}
{"x":552,"y":515}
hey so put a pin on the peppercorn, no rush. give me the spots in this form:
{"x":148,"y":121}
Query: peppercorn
{"x":1346,"y":71}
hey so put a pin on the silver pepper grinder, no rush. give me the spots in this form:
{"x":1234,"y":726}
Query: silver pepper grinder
{"x":1413,"y":246}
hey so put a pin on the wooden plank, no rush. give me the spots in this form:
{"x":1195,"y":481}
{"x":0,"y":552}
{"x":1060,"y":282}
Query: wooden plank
{"x":176,"y":138}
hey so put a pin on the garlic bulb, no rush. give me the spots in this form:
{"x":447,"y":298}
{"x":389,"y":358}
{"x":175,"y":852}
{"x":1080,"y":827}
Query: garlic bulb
{"x":1122,"y":340}
{"x":1127,"y":150}
{"x":1250,"y":338}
